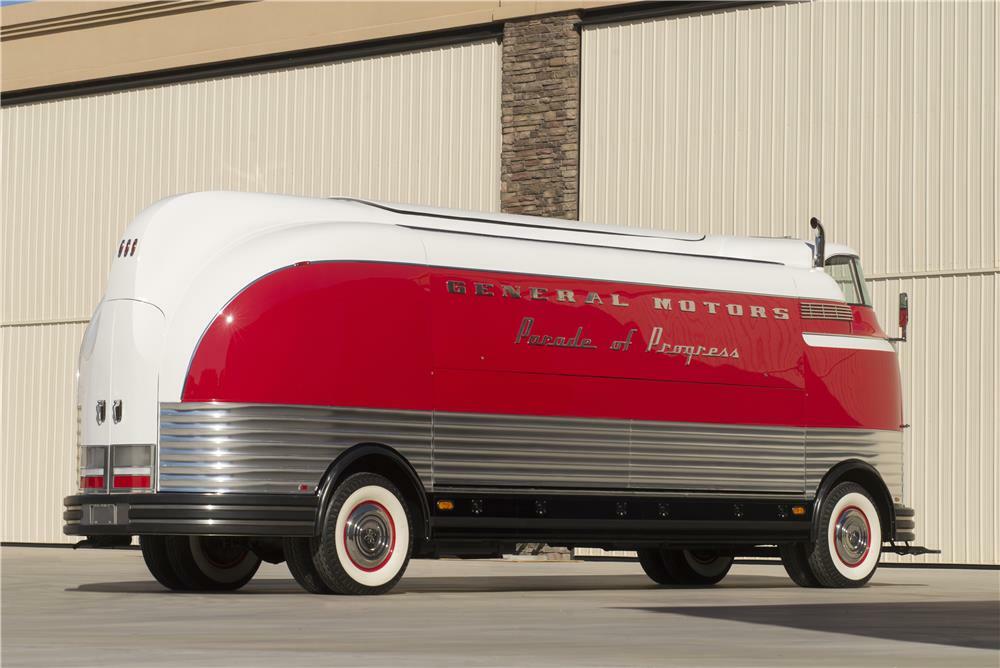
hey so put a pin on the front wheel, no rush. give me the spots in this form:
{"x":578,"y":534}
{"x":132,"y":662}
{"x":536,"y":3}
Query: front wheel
{"x":365,"y":543}
{"x":849,"y":542}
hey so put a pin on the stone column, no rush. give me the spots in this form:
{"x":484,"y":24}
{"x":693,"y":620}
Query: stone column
{"x":540,"y":106}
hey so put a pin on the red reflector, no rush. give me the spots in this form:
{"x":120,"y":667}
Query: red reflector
{"x":130,"y":481}
{"x":92,"y":482}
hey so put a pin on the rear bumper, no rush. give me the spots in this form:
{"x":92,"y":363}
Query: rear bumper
{"x":190,"y":514}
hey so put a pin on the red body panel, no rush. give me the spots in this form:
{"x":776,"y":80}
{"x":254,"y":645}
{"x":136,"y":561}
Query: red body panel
{"x":325,"y":334}
{"x":410,"y":337}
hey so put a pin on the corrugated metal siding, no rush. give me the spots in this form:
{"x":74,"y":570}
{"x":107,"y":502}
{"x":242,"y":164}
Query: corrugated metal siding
{"x":421,"y":127}
{"x":950,"y":397}
{"x":38,"y":429}
{"x":880,"y":118}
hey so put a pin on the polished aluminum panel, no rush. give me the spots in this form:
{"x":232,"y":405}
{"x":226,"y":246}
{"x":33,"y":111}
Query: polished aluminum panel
{"x":522,"y":450}
{"x":882,"y":449}
{"x":259,"y":448}
{"x":716,"y":458}
{"x":225,"y":447}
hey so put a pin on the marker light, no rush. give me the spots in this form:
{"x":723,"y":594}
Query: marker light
{"x":446,"y":505}
{"x":798,"y":511}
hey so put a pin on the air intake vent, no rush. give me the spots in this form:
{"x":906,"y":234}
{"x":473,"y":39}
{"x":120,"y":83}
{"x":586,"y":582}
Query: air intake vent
{"x":818,"y":311}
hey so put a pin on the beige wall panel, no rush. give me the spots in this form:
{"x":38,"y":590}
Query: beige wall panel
{"x":951,"y":400}
{"x":414,"y":127}
{"x":881,"y":119}
{"x":93,"y":46}
{"x":38,"y":429}
{"x":411,"y":127}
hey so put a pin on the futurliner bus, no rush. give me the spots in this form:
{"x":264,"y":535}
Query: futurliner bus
{"x":344,"y":385}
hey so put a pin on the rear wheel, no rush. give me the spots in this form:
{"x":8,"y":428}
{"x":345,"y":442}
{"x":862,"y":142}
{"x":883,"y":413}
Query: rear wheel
{"x":212,"y":563}
{"x":685,"y":567}
{"x":651,"y":561}
{"x":795,"y":559}
{"x":299,"y":557}
{"x":698,"y":567}
{"x":365,"y":543}
{"x":154,"y":553}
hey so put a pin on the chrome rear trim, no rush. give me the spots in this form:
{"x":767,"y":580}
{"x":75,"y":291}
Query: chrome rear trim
{"x":265,"y":448}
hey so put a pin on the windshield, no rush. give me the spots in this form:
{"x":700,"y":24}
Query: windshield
{"x":846,"y":271}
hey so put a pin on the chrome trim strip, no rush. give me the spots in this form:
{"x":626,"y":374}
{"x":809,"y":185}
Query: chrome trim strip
{"x":847,"y":342}
{"x":262,"y":448}
{"x":208,"y":522}
{"x":208,"y":507}
{"x":665,"y":494}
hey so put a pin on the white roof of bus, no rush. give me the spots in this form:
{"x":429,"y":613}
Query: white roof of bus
{"x":256,"y":209}
{"x":793,"y":252}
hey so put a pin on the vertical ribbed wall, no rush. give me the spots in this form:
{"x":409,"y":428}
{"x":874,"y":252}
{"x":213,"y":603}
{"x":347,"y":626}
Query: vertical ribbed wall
{"x":881,"y":119}
{"x":38,"y":429}
{"x":420,"y":127}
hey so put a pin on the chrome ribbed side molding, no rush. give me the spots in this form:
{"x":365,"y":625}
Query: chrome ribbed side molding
{"x":523,"y":450}
{"x":712,"y":457}
{"x":882,"y":449}
{"x":264,"y":448}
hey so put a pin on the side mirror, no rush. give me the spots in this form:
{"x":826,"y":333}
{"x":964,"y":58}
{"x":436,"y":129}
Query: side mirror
{"x":819,"y":247}
{"x":904,"y":316}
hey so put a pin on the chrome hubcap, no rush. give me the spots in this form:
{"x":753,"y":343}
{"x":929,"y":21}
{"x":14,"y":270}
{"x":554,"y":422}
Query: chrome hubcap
{"x":851,"y":536}
{"x":368,"y":535}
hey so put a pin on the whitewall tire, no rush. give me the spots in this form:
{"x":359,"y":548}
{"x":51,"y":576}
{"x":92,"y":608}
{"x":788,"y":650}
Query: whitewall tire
{"x":849,"y":538}
{"x":366,"y":539}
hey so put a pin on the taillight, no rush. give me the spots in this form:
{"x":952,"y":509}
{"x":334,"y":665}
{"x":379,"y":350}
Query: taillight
{"x":93,"y":466}
{"x":129,"y":481}
{"x":92,"y":481}
{"x":132,"y":467}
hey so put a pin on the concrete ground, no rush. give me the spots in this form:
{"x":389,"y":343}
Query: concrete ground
{"x":88,"y":607}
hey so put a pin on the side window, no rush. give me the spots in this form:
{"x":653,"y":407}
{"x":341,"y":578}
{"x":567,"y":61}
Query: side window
{"x":844,"y":270}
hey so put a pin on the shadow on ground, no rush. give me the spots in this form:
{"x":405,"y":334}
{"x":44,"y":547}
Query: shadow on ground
{"x":973,"y":624}
{"x":475,"y":585}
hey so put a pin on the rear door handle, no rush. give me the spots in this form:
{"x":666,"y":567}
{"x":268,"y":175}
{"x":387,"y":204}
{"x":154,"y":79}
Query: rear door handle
{"x":116,"y":411}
